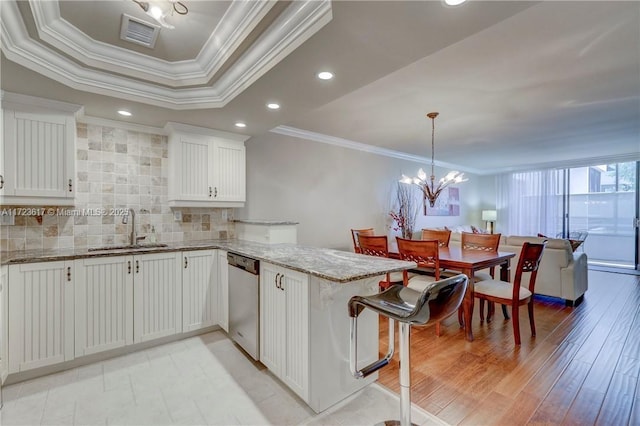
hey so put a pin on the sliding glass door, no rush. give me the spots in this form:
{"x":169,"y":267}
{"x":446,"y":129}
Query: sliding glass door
{"x":602,"y":206}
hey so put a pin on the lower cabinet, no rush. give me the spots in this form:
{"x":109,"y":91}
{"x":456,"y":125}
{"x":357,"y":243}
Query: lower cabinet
{"x":157,"y":296}
{"x":40,"y":315}
{"x":199,"y":289}
{"x":4,"y":323}
{"x":103,"y":304}
{"x":223,"y":290}
{"x":284,"y":326}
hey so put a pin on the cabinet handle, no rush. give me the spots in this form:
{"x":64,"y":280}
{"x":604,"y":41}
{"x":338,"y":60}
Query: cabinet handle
{"x":70,"y":185}
{"x":69,"y":273}
{"x":1,"y":181}
{"x":276,"y":280}
{"x":281,"y":286}
{"x":186,"y":262}
{"x":215,"y":192}
{"x":137,"y":267}
{"x":210,"y":191}
{"x":128,"y":266}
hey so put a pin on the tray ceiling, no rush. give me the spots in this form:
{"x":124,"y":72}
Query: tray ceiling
{"x":75,"y":43}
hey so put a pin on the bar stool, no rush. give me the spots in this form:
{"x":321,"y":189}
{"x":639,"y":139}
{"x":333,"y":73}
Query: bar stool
{"x":436,"y":302}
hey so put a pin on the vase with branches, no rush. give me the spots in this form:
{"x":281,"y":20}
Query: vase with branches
{"x":405,"y":211}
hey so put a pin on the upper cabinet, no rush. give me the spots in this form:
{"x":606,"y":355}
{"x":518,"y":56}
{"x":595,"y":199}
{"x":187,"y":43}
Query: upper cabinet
{"x":207,"y":168}
{"x":37,"y":163}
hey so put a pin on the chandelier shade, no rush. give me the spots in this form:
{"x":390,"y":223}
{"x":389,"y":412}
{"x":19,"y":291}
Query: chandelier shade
{"x":427,"y":184}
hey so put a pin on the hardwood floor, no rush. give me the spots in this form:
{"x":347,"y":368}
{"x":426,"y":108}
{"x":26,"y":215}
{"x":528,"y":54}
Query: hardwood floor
{"x":583,"y":367}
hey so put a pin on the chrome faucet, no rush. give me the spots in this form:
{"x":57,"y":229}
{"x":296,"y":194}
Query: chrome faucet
{"x":133,"y":239}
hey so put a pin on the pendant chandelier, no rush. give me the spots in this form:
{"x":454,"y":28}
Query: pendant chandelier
{"x":428,"y":187}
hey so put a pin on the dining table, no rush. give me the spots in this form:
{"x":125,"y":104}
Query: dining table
{"x":468,"y":262}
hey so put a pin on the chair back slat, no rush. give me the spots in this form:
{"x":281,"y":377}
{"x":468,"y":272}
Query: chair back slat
{"x":483,"y":242}
{"x":374,"y":245}
{"x":441,"y":235}
{"x":423,"y":252}
{"x":355,"y":233}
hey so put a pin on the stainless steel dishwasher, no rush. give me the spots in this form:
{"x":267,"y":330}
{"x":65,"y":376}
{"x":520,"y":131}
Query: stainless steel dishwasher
{"x":244,"y":303}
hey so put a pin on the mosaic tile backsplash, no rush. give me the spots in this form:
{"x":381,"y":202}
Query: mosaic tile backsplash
{"x":116,"y":169}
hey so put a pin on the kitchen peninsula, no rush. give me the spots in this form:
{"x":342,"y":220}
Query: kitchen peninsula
{"x":304,"y":338}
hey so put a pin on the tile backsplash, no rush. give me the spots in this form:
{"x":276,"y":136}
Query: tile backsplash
{"x":116,"y":169}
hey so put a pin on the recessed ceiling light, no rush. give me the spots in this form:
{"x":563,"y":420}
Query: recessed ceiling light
{"x":273,"y":105}
{"x":325,"y":75}
{"x":240,"y":124}
{"x":124,"y":112}
{"x":454,"y":2}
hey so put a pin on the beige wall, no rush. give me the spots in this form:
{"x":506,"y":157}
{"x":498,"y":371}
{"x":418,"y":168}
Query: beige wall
{"x":330,"y":189}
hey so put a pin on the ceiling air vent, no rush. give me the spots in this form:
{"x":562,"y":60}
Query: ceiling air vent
{"x":138,"y":31}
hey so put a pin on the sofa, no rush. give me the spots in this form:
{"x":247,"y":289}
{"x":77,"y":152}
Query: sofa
{"x":562,"y":273}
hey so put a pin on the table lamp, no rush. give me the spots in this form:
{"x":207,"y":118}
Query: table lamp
{"x":490,"y":217}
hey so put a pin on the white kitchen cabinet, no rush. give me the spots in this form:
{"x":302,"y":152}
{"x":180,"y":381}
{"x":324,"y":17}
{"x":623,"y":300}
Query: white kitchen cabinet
{"x":223,"y":290}
{"x":284,"y":326}
{"x":39,"y":148}
{"x":157,"y":296}
{"x":40,"y":314}
{"x":4,"y":323}
{"x":199,"y":289}
{"x":207,"y":168}
{"x":103,"y":304}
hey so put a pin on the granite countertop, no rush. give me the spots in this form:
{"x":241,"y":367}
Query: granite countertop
{"x":329,"y":264}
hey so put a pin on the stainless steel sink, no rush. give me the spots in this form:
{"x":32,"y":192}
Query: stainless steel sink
{"x":129,"y":247}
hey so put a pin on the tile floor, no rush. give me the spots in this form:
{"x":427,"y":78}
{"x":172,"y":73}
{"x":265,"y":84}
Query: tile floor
{"x":201,"y":380}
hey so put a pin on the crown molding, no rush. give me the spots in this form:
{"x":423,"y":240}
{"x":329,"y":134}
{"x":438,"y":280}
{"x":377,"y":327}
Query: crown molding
{"x":358,"y":146}
{"x":20,"y":102}
{"x":295,"y":25}
{"x":239,"y":20}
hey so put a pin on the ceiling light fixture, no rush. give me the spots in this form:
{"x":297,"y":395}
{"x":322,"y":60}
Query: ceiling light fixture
{"x":241,"y":124}
{"x":273,"y":105}
{"x":325,"y":75}
{"x":160,"y":9}
{"x":124,"y":112}
{"x":428,"y":188}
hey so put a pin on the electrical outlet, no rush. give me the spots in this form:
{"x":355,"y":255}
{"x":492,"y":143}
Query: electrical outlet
{"x":225,"y":215}
{"x":177,"y":215}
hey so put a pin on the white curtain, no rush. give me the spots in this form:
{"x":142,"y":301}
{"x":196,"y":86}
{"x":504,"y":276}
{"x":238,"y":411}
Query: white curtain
{"x":529,"y":203}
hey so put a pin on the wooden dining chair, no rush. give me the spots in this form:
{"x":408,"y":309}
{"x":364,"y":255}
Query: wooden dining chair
{"x":426,"y":254}
{"x":514,"y":294}
{"x":355,"y":233}
{"x":482,"y":242}
{"x":378,"y":245}
{"x":442,"y":235}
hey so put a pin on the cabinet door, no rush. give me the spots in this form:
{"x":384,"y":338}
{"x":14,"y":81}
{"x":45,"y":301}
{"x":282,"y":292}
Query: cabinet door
{"x":40,"y":315}
{"x":39,"y":153}
{"x":272,"y":318}
{"x":103,"y":304}
{"x":229,"y":171}
{"x":295,"y":368}
{"x":157,"y":296}
{"x":192,"y":168}
{"x":199,"y":289}
{"x":223,"y":290}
